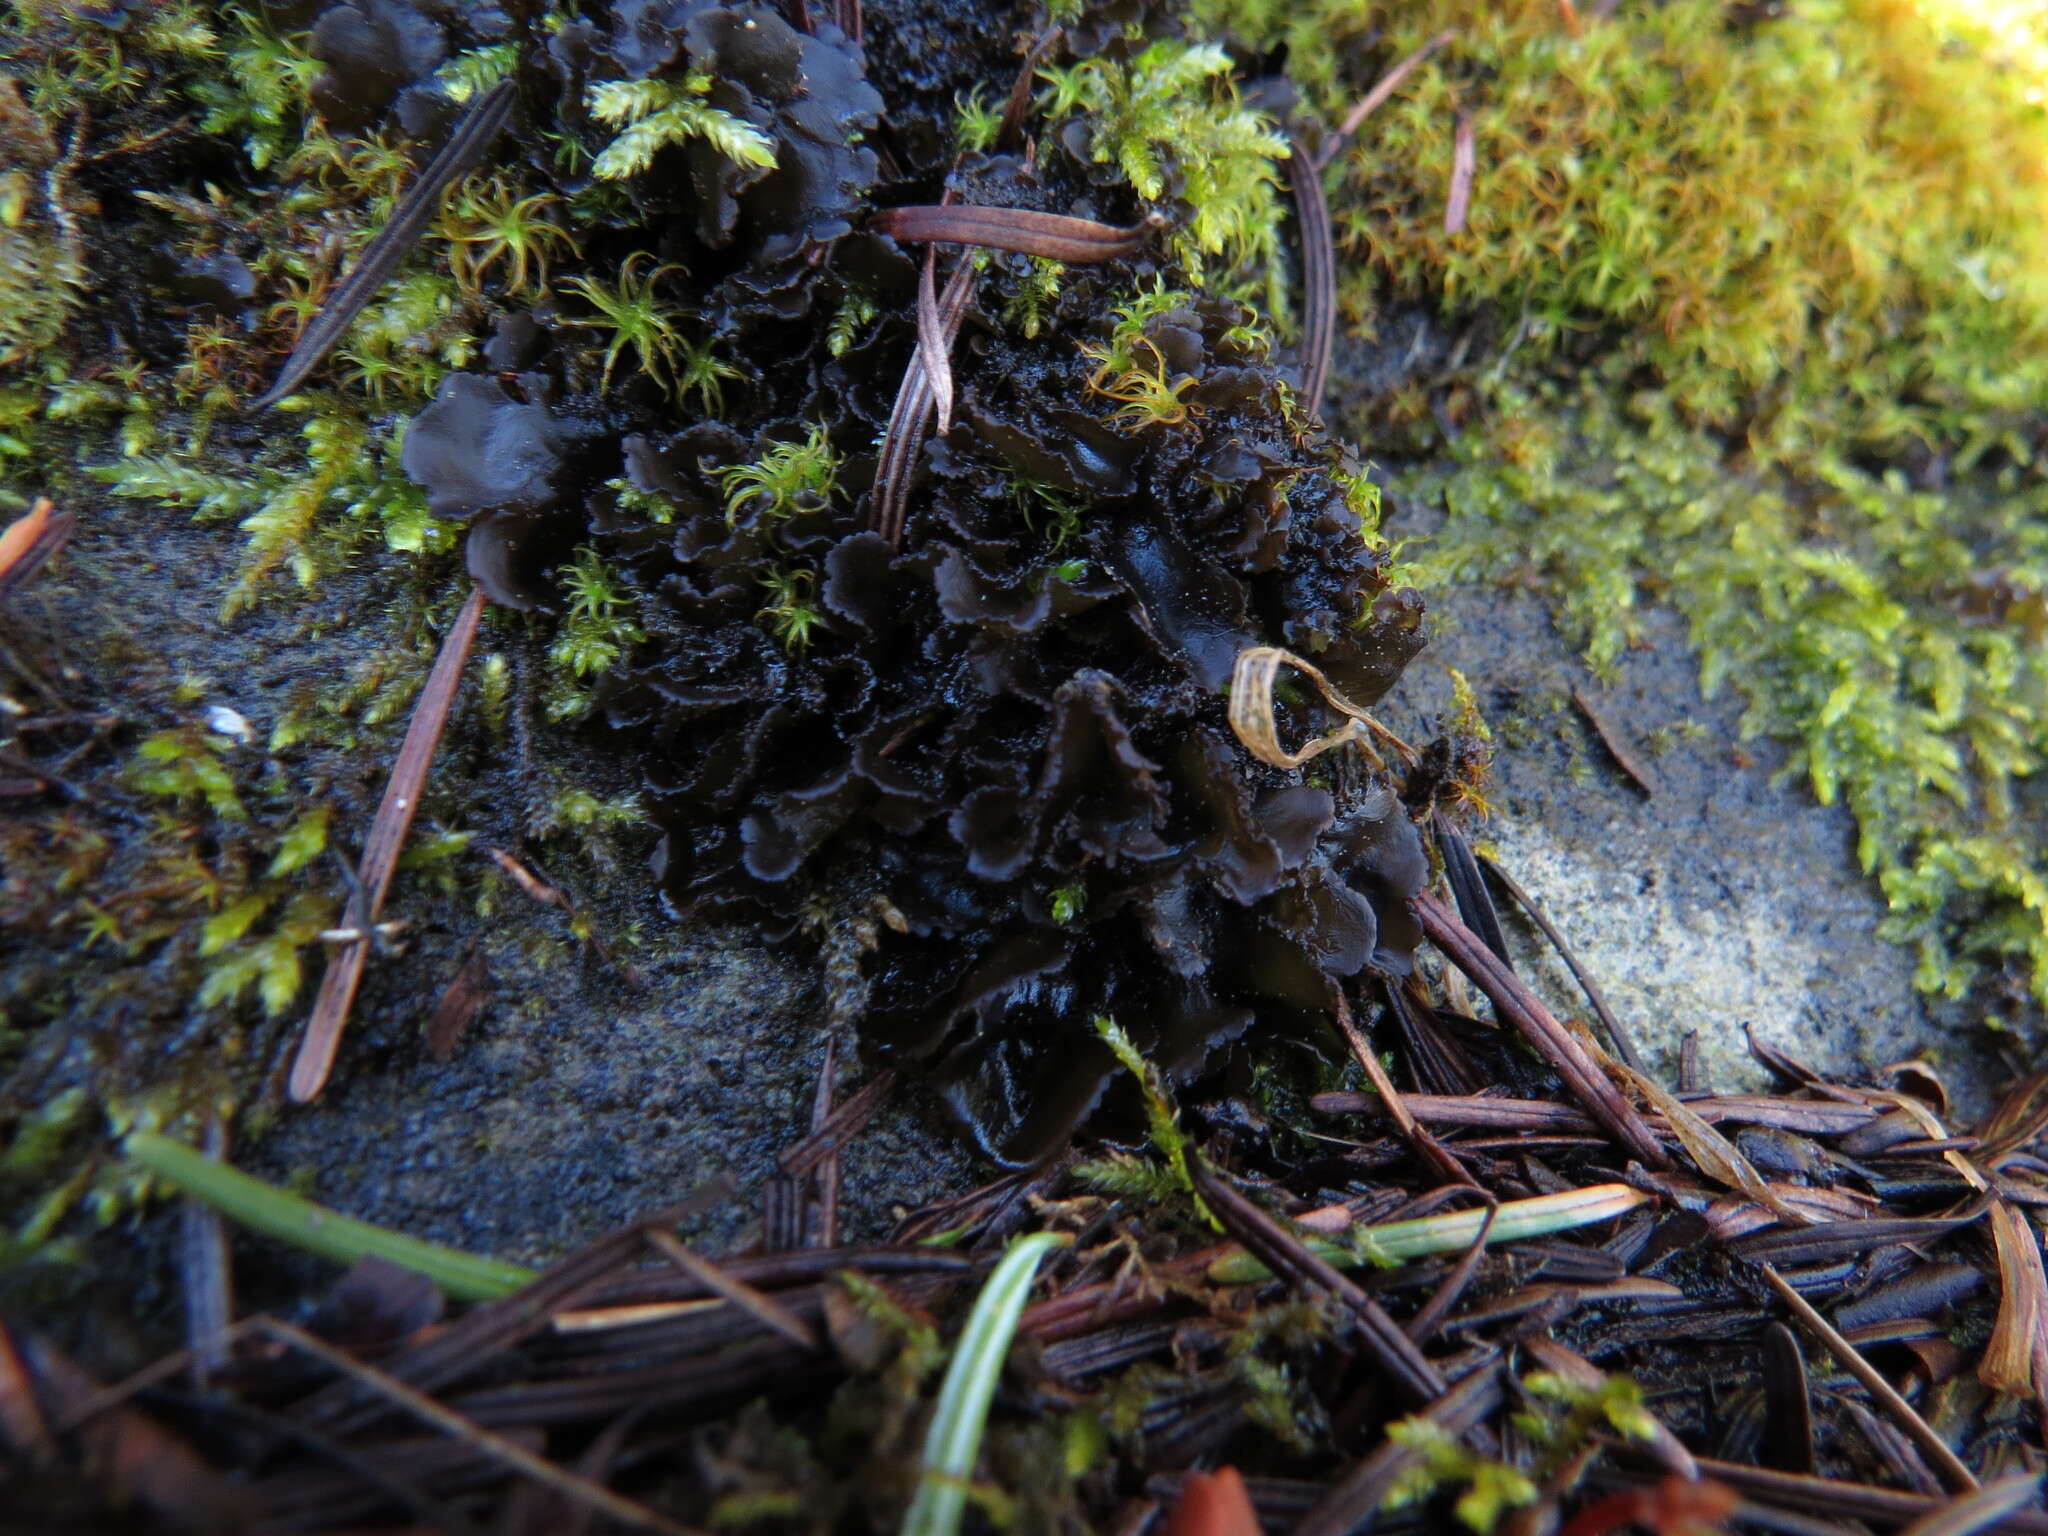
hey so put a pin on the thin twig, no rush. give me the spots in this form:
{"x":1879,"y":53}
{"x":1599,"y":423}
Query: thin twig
{"x":1523,"y":1009}
{"x":1851,"y":1359}
{"x":465,"y":148}
{"x":1376,"y":98}
{"x":380,"y":853}
{"x":497,"y":1447}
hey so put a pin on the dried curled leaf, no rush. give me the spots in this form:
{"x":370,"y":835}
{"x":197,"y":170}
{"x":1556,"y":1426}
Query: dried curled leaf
{"x":1712,"y":1153}
{"x":2009,"y":1363}
{"x":1251,"y":712}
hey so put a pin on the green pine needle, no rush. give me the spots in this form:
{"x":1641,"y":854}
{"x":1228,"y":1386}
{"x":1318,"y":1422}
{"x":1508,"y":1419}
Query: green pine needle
{"x":954,"y":1441}
{"x":272,"y":1211}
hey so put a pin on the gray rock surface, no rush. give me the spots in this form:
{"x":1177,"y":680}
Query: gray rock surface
{"x":581,"y":1102}
{"x":1723,"y":899}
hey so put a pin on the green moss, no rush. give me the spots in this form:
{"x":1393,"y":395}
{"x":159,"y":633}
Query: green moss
{"x":1892,"y":638}
{"x":653,"y":114}
{"x":595,"y":633}
{"x":1169,"y":117}
{"x":1857,"y":188}
{"x":787,"y":479}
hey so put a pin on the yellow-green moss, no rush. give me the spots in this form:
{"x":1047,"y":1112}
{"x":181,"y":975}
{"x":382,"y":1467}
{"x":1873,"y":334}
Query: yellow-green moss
{"x":1855,"y":192}
{"x":1893,"y":638}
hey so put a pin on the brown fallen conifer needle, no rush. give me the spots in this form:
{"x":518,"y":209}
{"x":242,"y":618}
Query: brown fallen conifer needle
{"x":1376,"y":98}
{"x":1522,"y":1009}
{"x":315,"y":1057}
{"x":498,"y":1447}
{"x":464,"y":150}
{"x":1318,"y":275}
{"x":1902,"y":1413}
{"x":1022,"y":231}
{"x":910,"y":417}
{"x":29,"y":541}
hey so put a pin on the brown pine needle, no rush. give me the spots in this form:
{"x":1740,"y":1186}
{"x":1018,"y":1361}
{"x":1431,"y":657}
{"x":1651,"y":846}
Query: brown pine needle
{"x":473,"y":135}
{"x":1902,"y":1413}
{"x":1430,"y":1149}
{"x":1522,"y":1009}
{"x":1023,"y":231}
{"x":1376,"y":98}
{"x":315,"y":1058}
{"x":839,"y":1127}
{"x":911,"y":415}
{"x":827,"y":1179}
{"x":763,"y":1307}
{"x":500,"y":1449}
{"x":1318,"y":275}
{"x":30,"y":540}
{"x":1617,"y":749}
{"x":1624,"y":1043}
{"x":934,"y":341}
{"x":1973,"y":1512}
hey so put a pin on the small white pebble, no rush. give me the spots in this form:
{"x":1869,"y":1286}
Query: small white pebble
{"x":223,"y":721}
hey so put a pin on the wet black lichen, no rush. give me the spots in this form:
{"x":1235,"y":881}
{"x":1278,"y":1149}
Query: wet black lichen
{"x":1006,"y":737}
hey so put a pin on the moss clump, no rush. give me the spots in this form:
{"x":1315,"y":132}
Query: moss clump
{"x":1169,"y":118}
{"x":1891,"y":636}
{"x":1854,"y":194}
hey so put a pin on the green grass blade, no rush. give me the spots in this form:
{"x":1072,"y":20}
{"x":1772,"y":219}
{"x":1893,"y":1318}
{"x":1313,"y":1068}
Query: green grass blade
{"x":272,"y":1211}
{"x":1396,"y":1242}
{"x":954,"y":1441}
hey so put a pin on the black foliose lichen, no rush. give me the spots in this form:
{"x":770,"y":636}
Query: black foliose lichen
{"x":1002,"y":738}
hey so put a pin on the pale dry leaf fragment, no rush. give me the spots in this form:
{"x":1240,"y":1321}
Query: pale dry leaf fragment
{"x":1714,"y":1154}
{"x":1251,"y":712}
{"x":934,"y":345}
{"x":2008,"y":1363}
{"x":1463,"y":162}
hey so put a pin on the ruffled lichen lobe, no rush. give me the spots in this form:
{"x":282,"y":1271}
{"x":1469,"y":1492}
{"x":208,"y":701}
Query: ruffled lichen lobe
{"x":632,"y":380}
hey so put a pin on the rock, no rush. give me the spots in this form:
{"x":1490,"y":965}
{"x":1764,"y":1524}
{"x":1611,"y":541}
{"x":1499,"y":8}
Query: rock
{"x":1722,"y":900}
